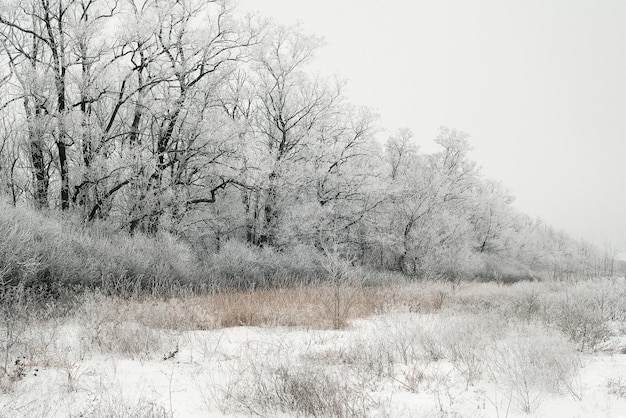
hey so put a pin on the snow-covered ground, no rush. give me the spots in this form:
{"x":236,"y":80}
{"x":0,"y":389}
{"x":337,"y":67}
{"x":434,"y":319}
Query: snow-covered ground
{"x":399,"y":364}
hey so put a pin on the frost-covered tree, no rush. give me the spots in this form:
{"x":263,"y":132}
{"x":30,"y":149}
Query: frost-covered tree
{"x":289,"y":107}
{"x":428,"y":193}
{"x":186,"y":117}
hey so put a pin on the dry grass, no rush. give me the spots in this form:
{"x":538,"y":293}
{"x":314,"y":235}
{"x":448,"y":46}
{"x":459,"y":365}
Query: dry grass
{"x":318,"y":307}
{"x":325,"y":306}
{"x":313,"y":306}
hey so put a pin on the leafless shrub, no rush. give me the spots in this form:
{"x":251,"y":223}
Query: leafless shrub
{"x":344,"y":285}
{"x":581,"y":310}
{"x":105,"y":328}
{"x":402,"y":341}
{"x":532,"y":361}
{"x":51,"y":252}
{"x":431,"y":343}
{"x":525,"y":301}
{"x":27,"y":331}
{"x":12,"y":374}
{"x":239,"y":266}
{"x":127,"y":338}
{"x":465,"y":340}
{"x":518,"y":301}
{"x":302,"y":392}
{"x":373,"y":359}
{"x":173,"y":313}
{"x":579,"y":318}
{"x":478,"y":298}
{"x":118,"y":406}
{"x":414,"y":378}
{"x":606,"y":295}
{"x":616,"y":387}
{"x":15,"y":316}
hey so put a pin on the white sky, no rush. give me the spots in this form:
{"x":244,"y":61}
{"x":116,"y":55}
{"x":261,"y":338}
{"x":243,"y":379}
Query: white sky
{"x":539,"y":84}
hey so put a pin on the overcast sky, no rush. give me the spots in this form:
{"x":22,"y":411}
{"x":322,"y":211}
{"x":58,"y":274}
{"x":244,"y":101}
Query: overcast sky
{"x":540,"y":85}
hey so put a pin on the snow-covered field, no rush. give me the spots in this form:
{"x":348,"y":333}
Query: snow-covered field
{"x":450,"y":362}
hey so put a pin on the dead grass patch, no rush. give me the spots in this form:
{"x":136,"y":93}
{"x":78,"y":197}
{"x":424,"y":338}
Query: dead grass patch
{"x":316,"y":306}
{"x":319,"y":307}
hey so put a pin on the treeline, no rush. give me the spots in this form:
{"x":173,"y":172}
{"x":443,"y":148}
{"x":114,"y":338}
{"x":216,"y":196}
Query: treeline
{"x":186,"y":118}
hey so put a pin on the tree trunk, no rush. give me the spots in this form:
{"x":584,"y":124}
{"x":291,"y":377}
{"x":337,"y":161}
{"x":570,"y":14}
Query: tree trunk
{"x":40,"y":174}
{"x":65,"y":178}
{"x":41,"y":178}
{"x":269,"y":212}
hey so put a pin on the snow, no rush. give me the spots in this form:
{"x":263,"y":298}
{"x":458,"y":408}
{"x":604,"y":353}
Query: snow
{"x":226,"y":372}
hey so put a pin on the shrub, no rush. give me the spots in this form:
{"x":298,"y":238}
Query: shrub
{"x":504,"y":269}
{"x":242,"y":266}
{"x":616,"y":387}
{"x":19,"y":258}
{"x":51,"y":252}
{"x":577,"y":315}
{"x":301,"y":391}
{"x":107,"y":327}
{"x":532,"y":361}
{"x":465,"y":340}
{"x":21,"y":310}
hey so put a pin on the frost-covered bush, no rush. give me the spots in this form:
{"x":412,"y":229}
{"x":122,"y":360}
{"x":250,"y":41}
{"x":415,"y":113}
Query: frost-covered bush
{"x":478,"y":298}
{"x":577,"y":313}
{"x":19,"y":256}
{"x":519,"y":301}
{"x":465,"y":339}
{"x":503,"y":269}
{"x":241,"y":265}
{"x":581,"y":310}
{"x":300,"y":390}
{"x":607,"y":295}
{"x":55,"y":253}
{"x":531,"y":362}
{"x":106,"y":328}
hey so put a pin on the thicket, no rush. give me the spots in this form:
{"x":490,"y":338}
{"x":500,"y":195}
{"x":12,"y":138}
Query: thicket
{"x":192,"y":145}
{"x":48,"y":252}
{"x":57,"y":253}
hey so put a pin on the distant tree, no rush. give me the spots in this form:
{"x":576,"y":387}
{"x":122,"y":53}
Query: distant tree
{"x":429,"y":187}
{"x":492,"y":216}
{"x":399,"y":152}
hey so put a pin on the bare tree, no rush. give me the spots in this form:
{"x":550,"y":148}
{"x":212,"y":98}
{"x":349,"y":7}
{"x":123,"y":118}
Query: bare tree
{"x":288,"y":107}
{"x":192,"y":62}
{"x":424,"y":189}
{"x":399,"y":151}
{"x":23,"y":47}
{"x":41,"y":35}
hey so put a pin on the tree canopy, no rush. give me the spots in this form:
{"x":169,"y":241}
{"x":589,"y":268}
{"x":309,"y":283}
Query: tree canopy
{"x":188,"y":118}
